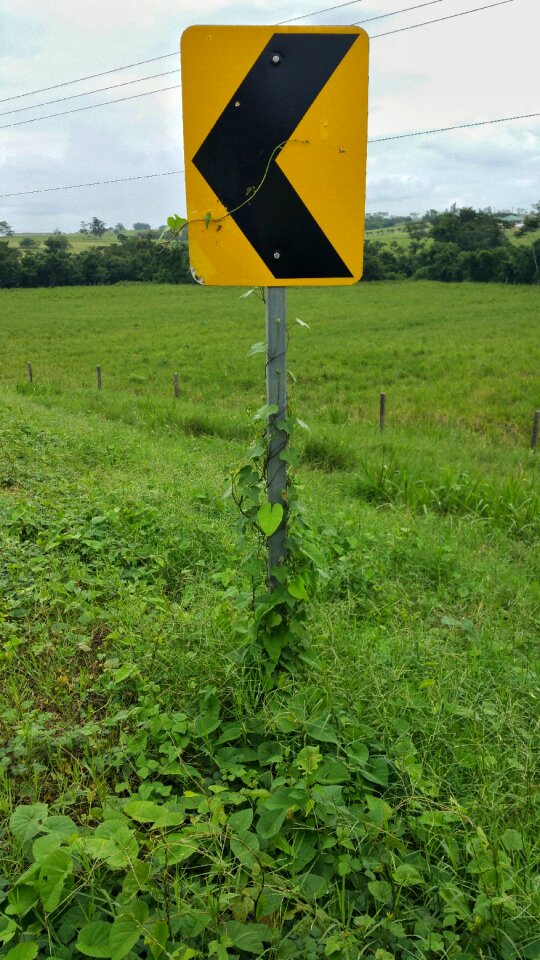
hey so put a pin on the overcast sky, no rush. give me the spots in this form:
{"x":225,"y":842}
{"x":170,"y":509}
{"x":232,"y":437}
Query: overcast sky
{"x":475,"y":67}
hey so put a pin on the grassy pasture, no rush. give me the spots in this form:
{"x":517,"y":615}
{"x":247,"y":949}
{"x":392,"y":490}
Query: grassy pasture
{"x":77,"y":241}
{"x":116,"y":543}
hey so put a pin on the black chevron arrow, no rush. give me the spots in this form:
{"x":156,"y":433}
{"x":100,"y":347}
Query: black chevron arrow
{"x":263,"y":113}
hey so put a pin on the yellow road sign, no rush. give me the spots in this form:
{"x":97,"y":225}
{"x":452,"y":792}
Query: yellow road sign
{"x":275,"y":134}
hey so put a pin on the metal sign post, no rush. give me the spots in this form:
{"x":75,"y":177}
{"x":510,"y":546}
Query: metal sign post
{"x":276,"y":393}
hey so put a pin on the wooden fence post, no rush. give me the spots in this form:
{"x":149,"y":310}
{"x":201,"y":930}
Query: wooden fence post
{"x":382,"y":410}
{"x":99,"y":383}
{"x":535,"y":429}
{"x":176,"y":382}
{"x":30,"y":373}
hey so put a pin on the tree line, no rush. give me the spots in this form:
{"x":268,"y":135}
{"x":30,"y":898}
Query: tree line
{"x":131,"y":258}
{"x":453,"y":246}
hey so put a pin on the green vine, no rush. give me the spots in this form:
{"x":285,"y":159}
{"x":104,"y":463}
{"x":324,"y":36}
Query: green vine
{"x":176,"y":223}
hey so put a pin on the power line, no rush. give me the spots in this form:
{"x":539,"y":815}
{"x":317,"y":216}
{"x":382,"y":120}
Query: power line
{"x":169,"y":173}
{"x":91,"y":106}
{"x":457,"y":126}
{"x":393,"y":13}
{"x":316,"y":13}
{"x":74,"y":96}
{"x":164,"y":56}
{"x":91,"y":76}
{"x":95,"y":183}
{"x":452,"y":16}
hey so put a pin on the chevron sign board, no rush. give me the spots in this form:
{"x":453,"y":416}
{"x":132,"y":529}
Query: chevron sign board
{"x":275,"y":134}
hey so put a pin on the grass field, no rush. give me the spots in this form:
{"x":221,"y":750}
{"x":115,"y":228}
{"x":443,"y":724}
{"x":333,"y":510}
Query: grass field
{"x":77,"y":241}
{"x":118,"y":556}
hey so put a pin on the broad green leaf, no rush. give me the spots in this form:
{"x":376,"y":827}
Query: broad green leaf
{"x":21,"y":899}
{"x":55,"y":867}
{"x":62,"y":826}
{"x":273,"y":644}
{"x":302,"y":323}
{"x":380,"y":890}
{"x":158,"y":934}
{"x":256,"y":451}
{"x":241,"y":820}
{"x":358,"y":753}
{"x":297,"y":587}
{"x":333,"y":771}
{"x":407,"y":875}
{"x":206,"y":723}
{"x":124,"y":672}
{"x":269,"y":752}
{"x":93,"y":939}
{"x":8,"y":929}
{"x":379,"y":811}
{"x":144,"y":811}
{"x":312,"y":885}
{"x":250,"y":937}
{"x":26,"y":822}
{"x":247,"y":293}
{"x":244,"y":848}
{"x":176,"y":848}
{"x":127,"y":929}
{"x":184,"y":953}
{"x":320,"y":728}
{"x":376,"y":771}
{"x":264,"y":412}
{"x":255,"y":348}
{"x":45,"y":844}
{"x":512,"y":840}
{"x":23,"y":951}
{"x":309,"y":759}
{"x":270,"y":822}
{"x":269,"y":517}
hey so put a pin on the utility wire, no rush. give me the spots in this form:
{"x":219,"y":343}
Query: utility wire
{"x":91,"y":106}
{"x":457,"y":126}
{"x":164,"y":56}
{"x":91,"y":76}
{"x":169,"y":173}
{"x":393,"y":13}
{"x":94,"y":183}
{"x":452,"y":16}
{"x":154,"y":76}
{"x":316,"y":13}
{"x":73,"y":96}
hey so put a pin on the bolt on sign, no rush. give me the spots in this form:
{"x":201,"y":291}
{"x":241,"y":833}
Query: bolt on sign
{"x":275,"y":139}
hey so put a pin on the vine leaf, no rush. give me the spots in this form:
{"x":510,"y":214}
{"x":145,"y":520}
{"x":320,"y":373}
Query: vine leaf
{"x":259,"y":347}
{"x":270,"y":516}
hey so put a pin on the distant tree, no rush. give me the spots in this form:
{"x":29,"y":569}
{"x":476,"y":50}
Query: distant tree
{"x":9,"y":265}
{"x":418,"y":229}
{"x":96,"y":227}
{"x":467,"y":228}
{"x":84,"y":228}
{"x":28,"y":242}
{"x":141,"y":226}
{"x":5,"y":229}
{"x":531,"y":222}
{"x":57,"y":244}
{"x":119,"y":228}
